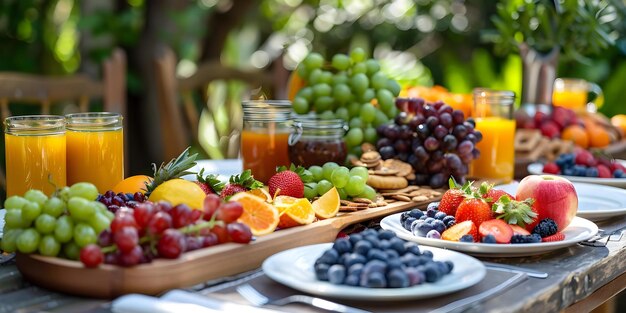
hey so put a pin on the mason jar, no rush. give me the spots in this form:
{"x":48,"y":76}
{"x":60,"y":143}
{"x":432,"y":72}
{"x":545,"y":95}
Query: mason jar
{"x":315,"y":141}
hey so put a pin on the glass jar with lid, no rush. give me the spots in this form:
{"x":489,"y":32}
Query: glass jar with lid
{"x":316,"y":141}
{"x":266,"y":128}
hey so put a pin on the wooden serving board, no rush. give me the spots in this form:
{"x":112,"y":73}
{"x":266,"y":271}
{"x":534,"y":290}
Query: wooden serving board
{"x":194,"y":267}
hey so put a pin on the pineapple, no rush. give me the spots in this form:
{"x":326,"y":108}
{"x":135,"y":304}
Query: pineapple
{"x":175,"y":168}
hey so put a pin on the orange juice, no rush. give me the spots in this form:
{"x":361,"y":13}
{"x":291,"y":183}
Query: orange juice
{"x":96,"y":157}
{"x":571,"y":99}
{"x":262,"y":152}
{"x":497,"y":154}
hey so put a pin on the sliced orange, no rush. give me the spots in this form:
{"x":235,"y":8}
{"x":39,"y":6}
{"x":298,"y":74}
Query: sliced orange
{"x":294,"y":211}
{"x":260,"y":216}
{"x":327,"y":205}
{"x":261,"y":193}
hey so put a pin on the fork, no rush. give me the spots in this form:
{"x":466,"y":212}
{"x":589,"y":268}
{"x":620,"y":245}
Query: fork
{"x":258,"y":299}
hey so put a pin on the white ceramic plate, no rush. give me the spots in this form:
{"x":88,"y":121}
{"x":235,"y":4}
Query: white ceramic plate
{"x":595,"y":202}
{"x":537,"y":169}
{"x":579,"y":230}
{"x":294,"y":268}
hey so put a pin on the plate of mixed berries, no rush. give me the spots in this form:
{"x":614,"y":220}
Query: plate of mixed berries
{"x":485,"y":221}
{"x":585,"y":167}
{"x":374,"y":265}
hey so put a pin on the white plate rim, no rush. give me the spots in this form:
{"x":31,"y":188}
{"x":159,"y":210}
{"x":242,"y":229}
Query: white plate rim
{"x":474,"y":272}
{"x":392,"y":222}
{"x":536,"y":168}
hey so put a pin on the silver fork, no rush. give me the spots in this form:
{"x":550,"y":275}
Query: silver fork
{"x":258,"y":299}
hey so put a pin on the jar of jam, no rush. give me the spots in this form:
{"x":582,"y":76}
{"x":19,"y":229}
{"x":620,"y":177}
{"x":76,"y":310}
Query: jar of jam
{"x":315,"y":141}
{"x":266,"y":128}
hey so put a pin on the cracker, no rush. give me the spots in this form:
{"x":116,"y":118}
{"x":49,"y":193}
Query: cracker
{"x":385,"y":172}
{"x":402,"y":198}
{"x":367,"y":147}
{"x":370,"y":156}
{"x":403,"y":168}
{"x":420,"y":198}
{"x":387,"y":182}
{"x":347,"y":209}
{"x":362,"y":200}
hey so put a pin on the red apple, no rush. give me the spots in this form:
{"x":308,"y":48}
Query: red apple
{"x":555,"y":198}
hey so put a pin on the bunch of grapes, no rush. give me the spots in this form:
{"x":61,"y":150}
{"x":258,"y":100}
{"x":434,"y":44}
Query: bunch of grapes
{"x":57,"y":226}
{"x":433,"y":137}
{"x":151,"y":230}
{"x":349,"y":182}
{"x":351,"y":88}
{"x":114,"y":201}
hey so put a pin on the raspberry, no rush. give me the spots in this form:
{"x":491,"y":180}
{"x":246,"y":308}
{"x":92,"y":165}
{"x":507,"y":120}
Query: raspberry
{"x":556,"y":237}
{"x":604,"y":172}
{"x":551,"y":168}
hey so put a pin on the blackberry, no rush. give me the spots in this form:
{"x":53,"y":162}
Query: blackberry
{"x":467,"y":238}
{"x":491,"y":239}
{"x":546,"y":227}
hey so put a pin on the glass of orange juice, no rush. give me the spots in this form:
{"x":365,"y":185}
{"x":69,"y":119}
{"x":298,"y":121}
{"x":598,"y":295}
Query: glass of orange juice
{"x":267,"y":125}
{"x":35,"y":153}
{"x":95,"y":149}
{"x":493,"y":112}
{"x":573,"y":93}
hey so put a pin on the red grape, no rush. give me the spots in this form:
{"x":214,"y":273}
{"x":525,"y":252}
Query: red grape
{"x":112,"y":258}
{"x":229,"y":211}
{"x":159,"y":223}
{"x":105,"y":238}
{"x":239,"y":232}
{"x":211,"y":204}
{"x":132,"y":257}
{"x":163,"y":206}
{"x":91,"y":255}
{"x":221,"y":232}
{"x":458,"y":117}
{"x":171,"y":244}
{"x":195,"y":215}
{"x":431,"y":144}
{"x":122,"y":219}
{"x":193,"y":243}
{"x":139,"y":197}
{"x":181,"y":215}
{"x":209,"y":240}
{"x":142,"y":213}
{"x":126,"y":239}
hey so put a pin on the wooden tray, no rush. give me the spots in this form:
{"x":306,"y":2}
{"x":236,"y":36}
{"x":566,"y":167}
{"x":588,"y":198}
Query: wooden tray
{"x":108,"y":281}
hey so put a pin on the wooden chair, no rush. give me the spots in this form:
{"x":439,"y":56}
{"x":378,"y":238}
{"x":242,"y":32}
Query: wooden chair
{"x":48,"y":91}
{"x":178,"y":112}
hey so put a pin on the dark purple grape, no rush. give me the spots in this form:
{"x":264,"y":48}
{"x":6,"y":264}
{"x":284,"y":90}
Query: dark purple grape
{"x":405,"y":132}
{"x":402,"y":156}
{"x":440,"y":132}
{"x":391,"y":132}
{"x":415,"y":142}
{"x":436,"y":155}
{"x":402,"y":118}
{"x":434,"y":166}
{"x":469,"y":126}
{"x":432,"y":122}
{"x":415,"y":105}
{"x":460,"y":179}
{"x":465,"y":147}
{"x":479,"y":135}
{"x":459,"y":131}
{"x":429,"y":111}
{"x":401,"y":146}
{"x":466,"y":158}
{"x":106,"y":201}
{"x":471,"y":137}
{"x":449,"y":142}
{"x":458,"y":117}
{"x":471,"y":121}
{"x":431,"y":144}
{"x":438,"y":104}
{"x":383,"y":142}
{"x":380,"y":130}
{"x":387,"y":152}
{"x":446,"y":120}
{"x":416,"y":120}
{"x":422,"y":131}
{"x":421,"y":179}
{"x":113,"y":208}
{"x":437,"y":180}
{"x":452,"y":161}
{"x":109,"y":194}
{"x":105,"y":238}
{"x":421,"y":154}
{"x":463,"y":170}
{"x":402,"y":104}
{"x":475,"y":153}
{"x":119,"y":201}
{"x":445,"y":109}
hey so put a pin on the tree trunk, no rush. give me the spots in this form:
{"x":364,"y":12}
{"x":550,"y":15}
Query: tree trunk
{"x":219,"y":26}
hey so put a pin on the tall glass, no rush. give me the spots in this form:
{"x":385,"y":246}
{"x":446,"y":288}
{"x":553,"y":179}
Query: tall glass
{"x":95,"y":149}
{"x":35,"y":153}
{"x":493,"y":111}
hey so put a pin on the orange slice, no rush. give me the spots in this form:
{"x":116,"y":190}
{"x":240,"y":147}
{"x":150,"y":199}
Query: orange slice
{"x":294,"y":211}
{"x":262,"y":193}
{"x":327,"y":205}
{"x":260,"y":216}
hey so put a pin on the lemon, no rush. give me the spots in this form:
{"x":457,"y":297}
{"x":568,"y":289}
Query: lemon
{"x":177,"y":191}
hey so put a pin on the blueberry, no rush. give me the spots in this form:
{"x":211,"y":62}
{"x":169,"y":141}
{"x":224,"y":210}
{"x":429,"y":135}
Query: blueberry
{"x":618,"y":173}
{"x":580,"y":170}
{"x":560,"y":161}
{"x":432,"y":272}
{"x":489,"y":239}
{"x":369,"y":231}
{"x":354,"y":238}
{"x":330,"y":256}
{"x":410,"y":260}
{"x":433,"y":206}
{"x":384,"y":244}
{"x":353,"y":258}
{"x":398,"y":245}
{"x":392,"y":254}
{"x":438,"y":226}
{"x":396,"y":278}
{"x":421,"y":260}
{"x":351,"y":280}
{"x":429,"y":220}
{"x":440,"y":216}
{"x":376,"y":254}
{"x":374,"y":280}
{"x":336,"y":274}
{"x":375,"y":265}
{"x":404,"y":216}
{"x":442,"y":267}
{"x":568,"y":171}
{"x":428,"y":254}
{"x":449,"y":221}
{"x":423,"y":217}
{"x":422,"y":229}
{"x":450,"y":266}
{"x":321,"y":271}
{"x":408,"y":222}
{"x":412,"y":247}
{"x":355,"y":269}
{"x":591,"y":172}
{"x":386,"y":234}
{"x":342,"y":245}
{"x":416,"y":213}
{"x":431,"y":213}
{"x":362,"y":247}
{"x":467,"y":238}
{"x":394,"y":264}
{"x":373,"y":239}
{"x":415,"y":277}
{"x":434,"y":234}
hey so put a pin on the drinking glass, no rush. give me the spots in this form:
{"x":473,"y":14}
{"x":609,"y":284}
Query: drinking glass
{"x":574,"y":93}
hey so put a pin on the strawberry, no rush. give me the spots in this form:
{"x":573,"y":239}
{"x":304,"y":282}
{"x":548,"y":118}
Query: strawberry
{"x":457,"y":231}
{"x":498,"y":228}
{"x":515,"y":212}
{"x":453,"y":197}
{"x":556,"y":237}
{"x":517,"y":230}
{"x":493,"y":195}
{"x":209,"y":184}
{"x":604,"y":172}
{"x":286,"y":183}
{"x":240,"y":183}
{"x":475,"y":210}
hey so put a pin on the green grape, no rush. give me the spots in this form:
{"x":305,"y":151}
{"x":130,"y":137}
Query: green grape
{"x":37,"y":196}
{"x":13,"y":219}
{"x":342,"y":194}
{"x":64,"y":193}
{"x":64,"y":229}
{"x":99,"y":222}
{"x":356,"y":150}
{"x":379,"y":81}
{"x":359,"y":68}
{"x":300,"y":105}
{"x":327,"y":115}
{"x":302,"y":71}
{"x":340,"y":176}
{"x":368,"y":95}
{"x":385,"y":99}
{"x":315,"y":77}
{"x":306,"y":176}
{"x":321,"y":90}
{"x":99,"y":206}
{"x":359,"y":82}
{"x":355,"y":122}
{"x":340,"y":78}
{"x":326,"y":77}
{"x":48,"y":246}
{"x":323,"y":104}
{"x":342,"y":113}
{"x":327,"y":170}
{"x":45,"y":224}
{"x":84,"y":190}
{"x":306,"y":93}
{"x":14,"y":202}
{"x":370,"y":135}
{"x":354,"y":137}
{"x":372,"y":67}
{"x":394,"y":87}
{"x":380,"y":119}
{"x":80,"y":209}
{"x":357,"y":55}
{"x":314,"y":61}
{"x":323,"y":186}
{"x":368,"y":193}
{"x":28,"y":241}
{"x":31,"y":211}
{"x":368,"y":113}
{"x":317,"y":173}
{"x":359,"y":171}
{"x":354,"y":109}
{"x":54,"y":207}
{"x":71,"y":250}
{"x":84,"y":235}
{"x":9,"y":240}
{"x":392,"y":112}
{"x":341,"y":93}
{"x":341,"y":62}
{"x":110,"y":215}
{"x":310,"y":190}
{"x":355,"y":186}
